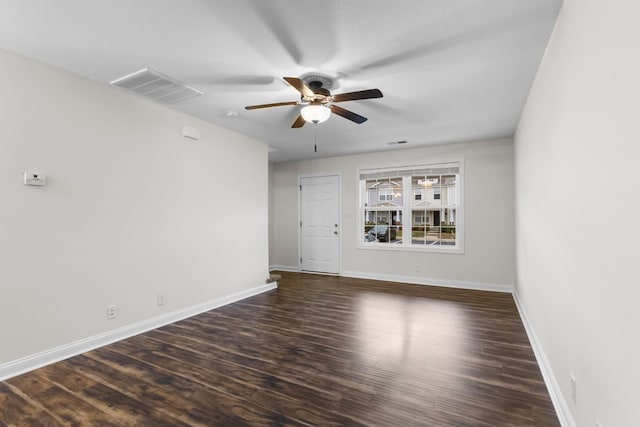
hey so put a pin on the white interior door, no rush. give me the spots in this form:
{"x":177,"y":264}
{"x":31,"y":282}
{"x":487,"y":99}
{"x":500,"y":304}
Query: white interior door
{"x":320,"y":224}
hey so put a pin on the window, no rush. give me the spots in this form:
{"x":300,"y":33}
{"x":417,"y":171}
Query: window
{"x":385,"y":194}
{"x":429,"y":219}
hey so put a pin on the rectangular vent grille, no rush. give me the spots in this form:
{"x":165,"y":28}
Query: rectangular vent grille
{"x":157,"y":86}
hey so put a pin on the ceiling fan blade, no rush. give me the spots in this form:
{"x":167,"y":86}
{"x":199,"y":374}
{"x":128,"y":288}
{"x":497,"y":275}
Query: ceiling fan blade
{"x":276,"y":104}
{"x":348,"y":114}
{"x":362,"y":94}
{"x":299,"y":122}
{"x":299,"y":86}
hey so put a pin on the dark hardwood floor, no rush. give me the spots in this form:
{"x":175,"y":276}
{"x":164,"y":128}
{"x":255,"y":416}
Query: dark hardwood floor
{"x":320,"y":351}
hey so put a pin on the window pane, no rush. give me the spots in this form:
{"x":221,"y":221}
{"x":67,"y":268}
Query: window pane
{"x":396,"y":227}
{"x":433,"y":236}
{"x":418,"y":226}
{"x":448,"y":216}
{"x":426,"y":190}
{"x":433,"y":217}
{"x":373,"y":217}
{"x":447,"y":235}
{"x":398,"y":192}
{"x":417,"y":190}
{"x":432,"y":186}
{"x":449,"y":190}
{"x":383,"y":226}
{"x":398,"y":235}
{"x":418,"y":235}
{"x":384,"y":192}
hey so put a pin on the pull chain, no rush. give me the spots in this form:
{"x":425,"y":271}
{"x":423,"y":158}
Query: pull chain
{"x":315,"y":138}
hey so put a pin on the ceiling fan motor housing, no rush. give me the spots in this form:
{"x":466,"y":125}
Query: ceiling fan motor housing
{"x":316,"y":87}
{"x":325,"y":82}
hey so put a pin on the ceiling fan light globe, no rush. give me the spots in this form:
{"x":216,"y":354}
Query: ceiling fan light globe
{"x":315,"y":113}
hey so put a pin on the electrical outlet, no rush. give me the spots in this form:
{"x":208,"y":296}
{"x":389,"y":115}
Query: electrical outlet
{"x":162,"y":299}
{"x":111,"y":311}
{"x":574,"y":390}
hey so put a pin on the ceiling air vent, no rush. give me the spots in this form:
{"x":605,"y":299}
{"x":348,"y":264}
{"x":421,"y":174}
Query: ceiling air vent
{"x":157,"y":86}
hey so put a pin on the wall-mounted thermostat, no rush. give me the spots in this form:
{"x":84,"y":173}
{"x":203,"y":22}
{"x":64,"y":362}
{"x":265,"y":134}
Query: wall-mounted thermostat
{"x":34,"y":178}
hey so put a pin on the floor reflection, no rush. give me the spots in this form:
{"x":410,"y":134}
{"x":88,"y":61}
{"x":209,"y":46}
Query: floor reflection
{"x":407,"y":330}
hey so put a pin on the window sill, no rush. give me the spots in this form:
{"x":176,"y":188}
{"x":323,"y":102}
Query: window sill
{"x":454,"y":250}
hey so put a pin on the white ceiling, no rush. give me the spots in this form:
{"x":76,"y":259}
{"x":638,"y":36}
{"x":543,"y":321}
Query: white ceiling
{"x":450,"y":70}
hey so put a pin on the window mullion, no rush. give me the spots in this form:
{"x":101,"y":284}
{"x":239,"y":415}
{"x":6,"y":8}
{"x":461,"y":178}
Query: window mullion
{"x":406,"y":211}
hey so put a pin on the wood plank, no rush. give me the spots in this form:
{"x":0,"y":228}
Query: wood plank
{"x":16,"y":410}
{"x":71,"y":408}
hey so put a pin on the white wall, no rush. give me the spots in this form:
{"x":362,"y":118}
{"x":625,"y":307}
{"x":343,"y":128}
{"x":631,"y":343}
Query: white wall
{"x":488,"y":261}
{"x":132,"y":209}
{"x":578,"y":249}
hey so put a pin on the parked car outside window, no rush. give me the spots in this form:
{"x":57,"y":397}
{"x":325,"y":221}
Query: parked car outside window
{"x":380,"y":232}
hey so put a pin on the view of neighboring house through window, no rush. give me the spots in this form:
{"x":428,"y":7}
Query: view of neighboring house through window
{"x":383,"y":214}
{"x":427,"y":219}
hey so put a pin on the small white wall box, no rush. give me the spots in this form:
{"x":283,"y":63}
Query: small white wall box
{"x":192,"y":133}
{"x":34,"y":178}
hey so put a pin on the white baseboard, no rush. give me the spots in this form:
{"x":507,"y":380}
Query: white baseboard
{"x":460,"y":284}
{"x":284,"y":268}
{"x":47,"y":357}
{"x":478,"y":286}
{"x":559,"y":402}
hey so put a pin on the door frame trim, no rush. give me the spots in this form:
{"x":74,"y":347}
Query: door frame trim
{"x":341,"y":228}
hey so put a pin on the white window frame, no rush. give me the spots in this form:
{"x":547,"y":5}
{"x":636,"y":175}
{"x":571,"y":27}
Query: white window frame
{"x":407,"y":214}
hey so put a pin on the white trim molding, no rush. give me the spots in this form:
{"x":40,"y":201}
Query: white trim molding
{"x":558,"y":400}
{"x":293,"y":269}
{"x":460,"y":284}
{"x":47,"y":357}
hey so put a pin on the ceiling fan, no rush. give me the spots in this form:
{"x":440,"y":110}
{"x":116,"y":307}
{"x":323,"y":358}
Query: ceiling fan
{"x":318,"y":103}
